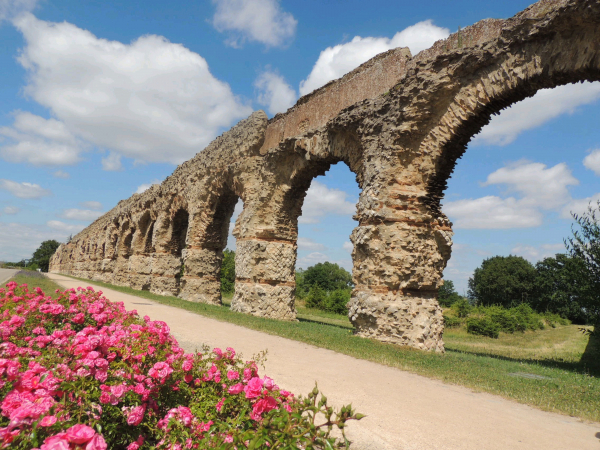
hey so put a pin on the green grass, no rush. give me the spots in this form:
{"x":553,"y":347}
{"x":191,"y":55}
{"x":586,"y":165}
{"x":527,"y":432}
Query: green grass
{"x":35,"y":279}
{"x":565,"y":359}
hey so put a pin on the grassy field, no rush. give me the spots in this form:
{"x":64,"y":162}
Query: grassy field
{"x":556,"y":369}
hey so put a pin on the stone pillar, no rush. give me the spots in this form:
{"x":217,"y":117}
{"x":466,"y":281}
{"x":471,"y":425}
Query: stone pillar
{"x":265,"y":283}
{"x":201,"y":279}
{"x":399,"y":254}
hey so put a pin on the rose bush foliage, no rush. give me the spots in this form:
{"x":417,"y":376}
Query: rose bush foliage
{"x":80,"y":372}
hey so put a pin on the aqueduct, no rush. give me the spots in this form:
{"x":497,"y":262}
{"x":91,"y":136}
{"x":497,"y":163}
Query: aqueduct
{"x":399,"y":122}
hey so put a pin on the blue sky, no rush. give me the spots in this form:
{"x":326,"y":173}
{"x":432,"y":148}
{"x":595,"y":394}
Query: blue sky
{"x":100,"y":99}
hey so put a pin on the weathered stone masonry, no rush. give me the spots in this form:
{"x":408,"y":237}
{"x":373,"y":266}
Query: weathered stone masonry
{"x":399,"y":122}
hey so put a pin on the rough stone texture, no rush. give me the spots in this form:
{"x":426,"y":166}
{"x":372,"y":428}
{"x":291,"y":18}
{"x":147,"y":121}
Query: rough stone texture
{"x":399,"y":122}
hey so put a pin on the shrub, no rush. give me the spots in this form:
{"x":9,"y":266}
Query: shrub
{"x":336,"y":301}
{"x":81,"y":372}
{"x":462,"y":307}
{"x":482,"y":327}
{"x":316,"y":298}
{"x":452,"y":322}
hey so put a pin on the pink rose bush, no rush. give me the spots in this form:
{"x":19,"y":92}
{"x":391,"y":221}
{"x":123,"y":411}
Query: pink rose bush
{"x":80,"y":372}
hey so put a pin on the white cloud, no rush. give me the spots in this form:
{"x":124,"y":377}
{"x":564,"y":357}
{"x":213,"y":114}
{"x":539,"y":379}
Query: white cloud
{"x":61,"y":174}
{"x":39,"y":141}
{"x":92,"y":205}
{"x":144,"y":187}
{"x":492,"y":212}
{"x":321,"y":200}
{"x":81,"y":214}
{"x":274,"y":92}
{"x":309,"y":245}
{"x":348,"y":246}
{"x":535,"y":254}
{"x":112,"y":162}
{"x":11,"y":210}
{"x":151,"y":100}
{"x":24,"y":190}
{"x":592,"y":161}
{"x":239,"y":207}
{"x":532,"y":112}
{"x":64,"y":227}
{"x":12,"y":8}
{"x":541,"y":188}
{"x":579,"y":206}
{"x":334,"y":62}
{"x":18,"y":240}
{"x":254,"y":20}
{"x":311,"y":259}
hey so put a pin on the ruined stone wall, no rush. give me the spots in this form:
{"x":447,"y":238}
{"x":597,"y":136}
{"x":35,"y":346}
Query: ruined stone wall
{"x":399,"y":122}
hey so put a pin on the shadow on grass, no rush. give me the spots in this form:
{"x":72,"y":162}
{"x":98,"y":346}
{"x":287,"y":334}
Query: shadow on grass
{"x":588,"y":364}
{"x":343,"y":327}
{"x":591,"y":355}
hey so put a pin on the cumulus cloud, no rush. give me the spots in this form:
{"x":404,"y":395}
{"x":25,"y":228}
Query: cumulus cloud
{"x":150,"y":100}
{"x":18,"y":240}
{"x":592,"y":161}
{"x":274,"y":92}
{"x":535,"y":254}
{"x":64,"y":227}
{"x":311,"y":259}
{"x":39,"y":141}
{"x":492,"y":212}
{"x":348,"y":246}
{"x":12,"y":8}
{"x":24,"y":190}
{"x":62,"y":174}
{"x":262,"y":21}
{"x":539,"y":185}
{"x":579,"y":206}
{"x":540,"y":189}
{"x":532,"y":112}
{"x":80,"y":214}
{"x":144,"y":187}
{"x":321,"y":200}
{"x":309,"y":245}
{"x":11,"y":210}
{"x":336,"y":61}
{"x":92,"y":205}
{"x":112,"y":162}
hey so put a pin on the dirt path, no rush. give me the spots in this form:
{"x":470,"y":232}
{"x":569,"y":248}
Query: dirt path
{"x":405,"y":411}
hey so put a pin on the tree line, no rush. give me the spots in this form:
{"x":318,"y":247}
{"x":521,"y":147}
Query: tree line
{"x":567,"y":284}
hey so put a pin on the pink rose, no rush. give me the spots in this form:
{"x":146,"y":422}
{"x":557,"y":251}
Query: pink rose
{"x":262,"y":406}
{"x":268,"y":383}
{"x":254,"y":388}
{"x":232,"y":375}
{"x":187,"y":365}
{"x":57,"y":442}
{"x":48,"y":421}
{"x":136,"y":415}
{"x":96,"y":443}
{"x":80,"y":434}
{"x":236,"y":389}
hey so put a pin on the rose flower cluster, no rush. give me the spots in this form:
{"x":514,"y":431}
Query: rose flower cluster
{"x":80,"y":372}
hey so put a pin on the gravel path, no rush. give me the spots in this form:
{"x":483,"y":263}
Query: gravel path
{"x":404,"y":411}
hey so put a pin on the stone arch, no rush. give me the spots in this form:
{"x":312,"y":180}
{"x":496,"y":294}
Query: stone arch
{"x":208,"y":233}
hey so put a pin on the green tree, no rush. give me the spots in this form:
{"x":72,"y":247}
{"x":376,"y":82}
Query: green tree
{"x":328,"y":276}
{"x":42,"y":255}
{"x":503,"y":280}
{"x":585,"y":246}
{"x":228,"y":272}
{"x":316,"y":297}
{"x":447,"y":295}
{"x":563,"y":287}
